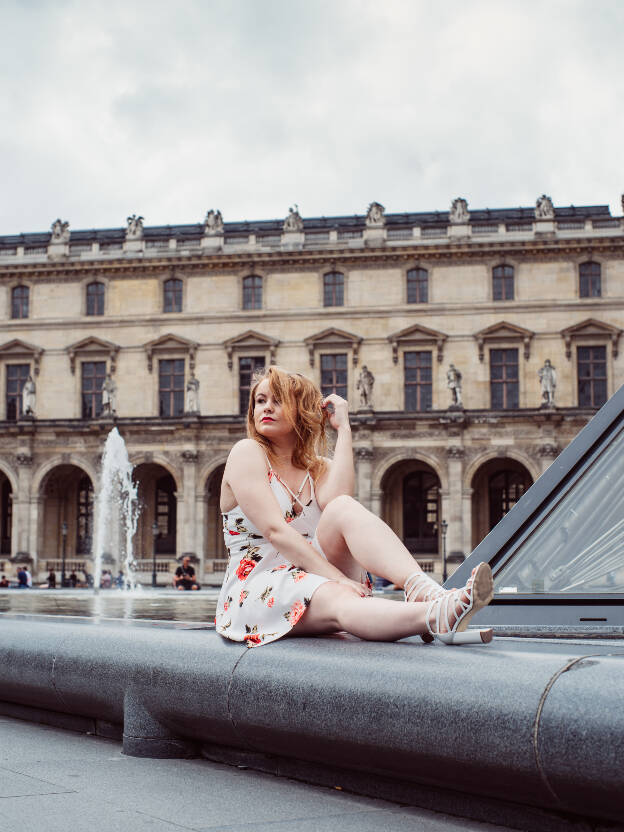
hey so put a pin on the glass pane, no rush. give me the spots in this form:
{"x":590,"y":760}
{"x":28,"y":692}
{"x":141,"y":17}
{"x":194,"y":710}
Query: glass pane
{"x":579,"y":546}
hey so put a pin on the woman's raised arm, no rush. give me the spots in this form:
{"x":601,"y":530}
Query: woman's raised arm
{"x":339,"y":477}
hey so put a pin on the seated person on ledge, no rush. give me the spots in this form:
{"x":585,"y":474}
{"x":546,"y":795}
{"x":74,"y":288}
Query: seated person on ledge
{"x":184,"y":577}
{"x":299,"y":545}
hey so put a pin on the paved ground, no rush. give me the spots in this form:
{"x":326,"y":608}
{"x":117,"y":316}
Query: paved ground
{"x":59,"y":781}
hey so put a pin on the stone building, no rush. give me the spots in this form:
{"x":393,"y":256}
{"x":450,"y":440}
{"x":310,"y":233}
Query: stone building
{"x":472,"y":346}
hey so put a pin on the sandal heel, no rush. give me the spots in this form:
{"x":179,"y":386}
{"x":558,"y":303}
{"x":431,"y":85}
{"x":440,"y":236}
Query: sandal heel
{"x":467,"y":637}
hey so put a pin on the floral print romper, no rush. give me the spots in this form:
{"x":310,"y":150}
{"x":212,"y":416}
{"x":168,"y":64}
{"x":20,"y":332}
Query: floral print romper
{"x":263,"y":594}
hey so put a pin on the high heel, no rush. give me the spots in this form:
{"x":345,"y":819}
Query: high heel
{"x":479,"y":591}
{"x":417,"y":582}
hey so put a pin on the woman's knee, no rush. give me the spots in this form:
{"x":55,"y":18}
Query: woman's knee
{"x":342,"y":506}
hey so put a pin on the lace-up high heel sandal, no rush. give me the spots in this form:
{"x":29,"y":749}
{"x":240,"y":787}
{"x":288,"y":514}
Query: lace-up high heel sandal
{"x":459,"y":606}
{"x":419,"y":587}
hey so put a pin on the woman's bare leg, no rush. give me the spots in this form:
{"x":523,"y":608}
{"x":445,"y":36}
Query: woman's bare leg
{"x":352,"y":537}
{"x":334,"y":608}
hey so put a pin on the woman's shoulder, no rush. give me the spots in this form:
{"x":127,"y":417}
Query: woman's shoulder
{"x":247,"y":449}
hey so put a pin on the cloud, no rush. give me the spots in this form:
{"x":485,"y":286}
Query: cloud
{"x":168,"y":109}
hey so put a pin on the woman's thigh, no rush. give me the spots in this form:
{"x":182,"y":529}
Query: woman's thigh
{"x":330,"y":535}
{"x":321,"y":616}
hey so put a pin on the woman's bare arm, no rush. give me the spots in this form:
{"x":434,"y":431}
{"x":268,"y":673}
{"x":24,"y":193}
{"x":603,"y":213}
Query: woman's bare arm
{"x":339,"y":476}
{"x":246,"y":474}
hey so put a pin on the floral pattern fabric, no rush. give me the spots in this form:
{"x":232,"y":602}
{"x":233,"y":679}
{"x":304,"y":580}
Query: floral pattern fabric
{"x":263,"y":594}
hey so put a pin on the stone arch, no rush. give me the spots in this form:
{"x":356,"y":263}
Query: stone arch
{"x":159,"y":500}
{"x":159,"y":459}
{"x":513,"y":454}
{"x":214,"y":545}
{"x":406,"y":456}
{"x":71,"y":459}
{"x":496,"y":485}
{"x":10,"y":474}
{"x":209,"y":468}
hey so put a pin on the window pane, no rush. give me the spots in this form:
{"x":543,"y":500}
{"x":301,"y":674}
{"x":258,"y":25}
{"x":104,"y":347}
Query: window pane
{"x":19,"y":302}
{"x":252,"y":292}
{"x":171,"y":387}
{"x":93,"y":374}
{"x":592,"y":376}
{"x":417,"y":380}
{"x":95,"y":299}
{"x":503,"y":283}
{"x":590,"y":280}
{"x":334,"y":374}
{"x":173,"y":295}
{"x":417,"y":286}
{"x":16,"y":377}
{"x":333,"y":289}
{"x":247,"y":367}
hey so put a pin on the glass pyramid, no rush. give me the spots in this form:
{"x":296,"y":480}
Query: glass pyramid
{"x":563,"y":542}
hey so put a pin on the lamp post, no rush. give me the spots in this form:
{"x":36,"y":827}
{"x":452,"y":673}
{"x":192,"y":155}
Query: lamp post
{"x":64,"y":534}
{"x":444,"y":530}
{"x":154,"y":536}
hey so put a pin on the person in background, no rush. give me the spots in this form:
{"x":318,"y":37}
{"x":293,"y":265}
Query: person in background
{"x":184,"y":577}
{"x":4,"y":582}
{"x":73,"y":579}
{"x":28,"y":577}
{"x":22,"y":578}
{"x":52,"y":579}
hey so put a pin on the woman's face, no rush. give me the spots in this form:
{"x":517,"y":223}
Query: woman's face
{"x":269,"y":418}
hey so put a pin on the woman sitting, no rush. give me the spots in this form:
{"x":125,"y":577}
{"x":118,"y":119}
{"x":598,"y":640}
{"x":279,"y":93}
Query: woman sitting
{"x":300,"y":546}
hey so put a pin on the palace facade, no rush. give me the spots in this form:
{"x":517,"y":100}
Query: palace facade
{"x":157,"y":331}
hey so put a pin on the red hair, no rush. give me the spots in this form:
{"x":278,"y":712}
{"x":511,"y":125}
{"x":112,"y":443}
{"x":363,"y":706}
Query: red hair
{"x":301,"y":402}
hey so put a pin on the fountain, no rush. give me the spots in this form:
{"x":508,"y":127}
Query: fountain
{"x":117,"y":511}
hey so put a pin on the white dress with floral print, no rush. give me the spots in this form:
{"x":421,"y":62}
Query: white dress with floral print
{"x":263,"y":594}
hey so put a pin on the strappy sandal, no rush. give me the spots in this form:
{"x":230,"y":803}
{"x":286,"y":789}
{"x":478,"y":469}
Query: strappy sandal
{"x":443,"y":610}
{"x":414,"y":586}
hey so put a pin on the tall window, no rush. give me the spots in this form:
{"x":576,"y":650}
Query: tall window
{"x":166,"y":515}
{"x":172,"y":295}
{"x":334,"y":374}
{"x":505,"y":489}
{"x":84,"y":530}
{"x":171,"y":387}
{"x":503,"y":283}
{"x":592,"y":376}
{"x":95,"y":298}
{"x":590,"y":284}
{"x":247,"y":366}
{"x":420,"y":511}
{"x":93,"y":375}
{"x":19,"y":302}
{"x":417,"y":380}
{"x":252,"y":292}
{"x":417,"y":286}
{"x":17,"y":374}
{"x":504,"y":379}
{"x":333,"y":289}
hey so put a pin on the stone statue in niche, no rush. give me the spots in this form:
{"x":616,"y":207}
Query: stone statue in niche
{"x":454,"y":384}
{"x":544,"y":209}
{"x":134,"y":231}
{"x":192,"y":395}
{"x":29,"y":397}
{"x":459,"y":211}
{"x":109,"y":396}
{"x":375,"y":215}
{"x":365,"y":385}
{"x":60,"y":231}
{"x":548,"y":381}
{"x":213,"y":223}
{"x":293,"y":221}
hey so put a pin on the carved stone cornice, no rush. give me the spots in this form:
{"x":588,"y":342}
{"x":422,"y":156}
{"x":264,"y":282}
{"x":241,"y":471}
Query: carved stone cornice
{"x":548,"y":450}
{"x":455,"y":452}
{"x":189,"y":456}
{"x":23,"y":459}
{"x":364,"y":453}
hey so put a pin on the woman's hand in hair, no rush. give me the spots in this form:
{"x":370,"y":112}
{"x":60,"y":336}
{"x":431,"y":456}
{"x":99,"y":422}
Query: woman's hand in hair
{"x":338,"y":413}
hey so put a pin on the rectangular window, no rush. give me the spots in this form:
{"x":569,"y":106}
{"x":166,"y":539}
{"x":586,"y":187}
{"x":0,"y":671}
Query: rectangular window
{"x":334,"y":374}
{"x":17,"y":375}
{"x":417,"y":380}
{"x":171,"y":387}
{"x":503,"y":283}
{"x":590,"y":282}
{"x":93,"y":375}
{"x":504,"y":379}
{"x":417,"y":286}
{"x":592,"y":376}
{"x":247,"y":366}
{"x":333,"y":289}
{"x":20,"y":297}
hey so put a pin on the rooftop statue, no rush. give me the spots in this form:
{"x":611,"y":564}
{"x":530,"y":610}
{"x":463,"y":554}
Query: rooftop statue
{"x":544,"y":208}
{"x":375,"y":215}
{"x":213,"y":224}
{"x":293,"y":221}
{"x":134,"y":230}
{"x":60,"y":231}
{"x":459,"y":211}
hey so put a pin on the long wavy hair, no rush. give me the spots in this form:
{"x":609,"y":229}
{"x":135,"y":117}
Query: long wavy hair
{"x":301,"y":402}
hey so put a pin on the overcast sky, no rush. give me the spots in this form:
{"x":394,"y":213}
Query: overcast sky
{"x":170,"y":108}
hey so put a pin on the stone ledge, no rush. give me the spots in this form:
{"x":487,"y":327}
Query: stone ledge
{"x":518,"y":723}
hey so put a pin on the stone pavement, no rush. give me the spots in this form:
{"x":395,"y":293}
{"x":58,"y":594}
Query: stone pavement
{"x":59,"y":781}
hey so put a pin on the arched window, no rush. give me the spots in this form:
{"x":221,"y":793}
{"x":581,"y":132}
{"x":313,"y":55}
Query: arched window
{"x":333,"y":289}
{"x":95,"y":298}
{"x":166,"y":515}
{"x":252,"y":292}
{"x":84,"y":529}
{"x":505,"y":489}
{"x":590,"y":280}
{"x":417,"y":286}
{"x":19,"y":302}
{"x":172,"y":295}
{"x":503,"y":283}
